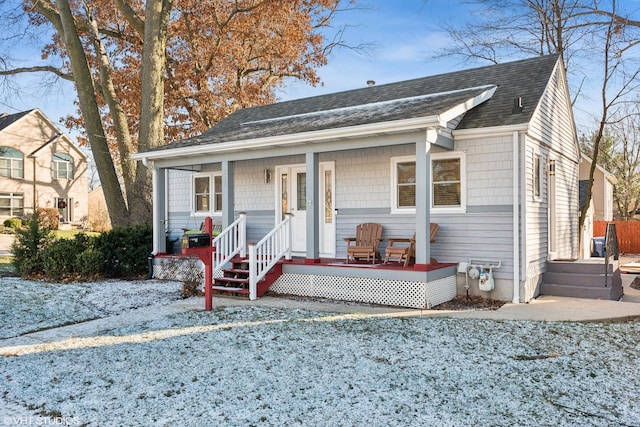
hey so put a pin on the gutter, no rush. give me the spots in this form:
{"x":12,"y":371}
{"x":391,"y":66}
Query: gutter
{"x":281,"y":140}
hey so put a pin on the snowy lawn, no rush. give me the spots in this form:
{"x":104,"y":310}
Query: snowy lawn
{"x":254,"y":365}
{"x":29,"y":306}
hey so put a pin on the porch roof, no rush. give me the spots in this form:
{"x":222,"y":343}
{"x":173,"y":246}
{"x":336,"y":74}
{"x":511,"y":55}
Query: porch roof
{"x":481,"y":97}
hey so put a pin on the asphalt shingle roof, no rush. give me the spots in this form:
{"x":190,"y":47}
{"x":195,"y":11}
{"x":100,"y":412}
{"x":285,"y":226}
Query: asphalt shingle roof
{"x":9,"y":119}
{"x":422,"y":97}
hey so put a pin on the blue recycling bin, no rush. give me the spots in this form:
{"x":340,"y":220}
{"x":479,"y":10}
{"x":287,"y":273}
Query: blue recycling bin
{"x":597,"y":247}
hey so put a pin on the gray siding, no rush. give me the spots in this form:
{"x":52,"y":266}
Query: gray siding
{"x":552,"y":133}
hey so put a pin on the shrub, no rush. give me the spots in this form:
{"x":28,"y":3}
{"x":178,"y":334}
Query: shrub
{"x":49,"y":217}
{"x":12,"y":223}
{"x":62,"y":258}
{"x":29,"y":245}
{"x":90,"y":263}
{"x":125,"y":250}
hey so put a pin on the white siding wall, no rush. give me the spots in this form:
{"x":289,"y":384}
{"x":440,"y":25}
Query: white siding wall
{"x":552,"y":132}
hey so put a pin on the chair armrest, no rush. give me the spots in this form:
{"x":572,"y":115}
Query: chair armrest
{"x":349,"y":240}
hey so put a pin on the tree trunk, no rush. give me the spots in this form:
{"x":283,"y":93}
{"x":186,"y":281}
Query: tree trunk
{"x":93,"y":123}
{"x":152,"y":103}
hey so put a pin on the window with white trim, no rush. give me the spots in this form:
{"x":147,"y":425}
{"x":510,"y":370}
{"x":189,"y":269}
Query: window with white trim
{"x":11,"y":204}
{"x":537,"y":176}
{"x":448,"y":183}
{"x":207,"y":194}
{"x":403,"y":187}
{"x":11,"y":163}
{"x":62,"y":166}
{"x":448,"y":186}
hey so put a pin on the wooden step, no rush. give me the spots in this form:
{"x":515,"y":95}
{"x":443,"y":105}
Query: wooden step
{"x":236,"y":271}
{"x":230,"y":290}
{"x":244,"y":280}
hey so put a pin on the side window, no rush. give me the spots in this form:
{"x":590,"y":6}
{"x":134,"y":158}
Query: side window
{"x":61,"y":166}
{"x":448,"y":186}
{"x":537,"y":176}
{"x":11,"y":163}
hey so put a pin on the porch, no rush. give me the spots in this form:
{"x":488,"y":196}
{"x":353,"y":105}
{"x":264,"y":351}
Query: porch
{"x":331,"y":278}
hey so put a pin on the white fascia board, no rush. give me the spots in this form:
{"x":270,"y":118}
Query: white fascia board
{"x":490,"y":131}
{"x":462,"y":108}
{"x":296,"y":138}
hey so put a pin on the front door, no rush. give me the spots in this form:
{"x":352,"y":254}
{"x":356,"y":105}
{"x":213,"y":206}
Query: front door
{"x":292,"y":197}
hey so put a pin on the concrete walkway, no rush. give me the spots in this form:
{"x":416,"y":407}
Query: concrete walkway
{"x":544,"y":308}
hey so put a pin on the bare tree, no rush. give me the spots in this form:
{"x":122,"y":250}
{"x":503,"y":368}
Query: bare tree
{"x":594,"y":37}
{"x":620,"y":155}
{"x":148,"y":71}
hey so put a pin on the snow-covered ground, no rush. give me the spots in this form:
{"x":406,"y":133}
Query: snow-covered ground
{"x":255,"y":365}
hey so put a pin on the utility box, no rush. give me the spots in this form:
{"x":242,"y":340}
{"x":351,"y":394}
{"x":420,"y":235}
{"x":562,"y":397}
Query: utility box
{"x":196,"y":240}
{"x":597,"y":247}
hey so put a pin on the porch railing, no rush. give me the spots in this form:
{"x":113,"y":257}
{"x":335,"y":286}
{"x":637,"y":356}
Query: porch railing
{"x":230,"y":242}
{"x":267,"y":252}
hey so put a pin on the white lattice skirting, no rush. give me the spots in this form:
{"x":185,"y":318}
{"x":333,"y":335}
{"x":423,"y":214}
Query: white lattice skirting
{"x":374,"y":291}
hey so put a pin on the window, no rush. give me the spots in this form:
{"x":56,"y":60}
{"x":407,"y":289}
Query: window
{"x":447,"y":180}
{"x":403,"y":189}
{"x":11,"y":204}
{"x":62,"y":166}
{"x":537,"y":177}
{"x":11,"y":163}
{"x":207,"y":194}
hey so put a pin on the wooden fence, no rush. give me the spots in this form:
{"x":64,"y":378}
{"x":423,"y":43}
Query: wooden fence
{"x":628,"y":234}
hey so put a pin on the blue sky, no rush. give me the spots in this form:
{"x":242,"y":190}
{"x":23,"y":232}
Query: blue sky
{"x":405,"y":35}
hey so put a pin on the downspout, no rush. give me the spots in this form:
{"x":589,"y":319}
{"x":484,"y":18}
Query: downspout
{"x":516,"y":218}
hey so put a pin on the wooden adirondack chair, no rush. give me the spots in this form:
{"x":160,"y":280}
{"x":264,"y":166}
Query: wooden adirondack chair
{"x":406,"y":252}
{"x":366,"y":242}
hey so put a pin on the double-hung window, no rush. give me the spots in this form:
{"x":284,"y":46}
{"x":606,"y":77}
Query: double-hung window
{"x":11,"y":163}
{"x":11,"y":204}
{"x":403,"y":189}
{"x":448,"y":184}
{"x":207,"y":194}
{"x":62,"y":166}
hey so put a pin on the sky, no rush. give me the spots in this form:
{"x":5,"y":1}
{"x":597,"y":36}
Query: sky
{"x":405,"y":36}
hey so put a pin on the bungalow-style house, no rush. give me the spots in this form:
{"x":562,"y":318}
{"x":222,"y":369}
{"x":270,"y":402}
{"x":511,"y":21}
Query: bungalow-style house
{"x":40,"y":167}
{"x":489,"y":154}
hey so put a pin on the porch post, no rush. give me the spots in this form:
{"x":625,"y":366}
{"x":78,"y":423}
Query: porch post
{"x":158,"y":177}
{"x":423,"y":203}
{"x":228,"y":199}
{"x":313,"y":241}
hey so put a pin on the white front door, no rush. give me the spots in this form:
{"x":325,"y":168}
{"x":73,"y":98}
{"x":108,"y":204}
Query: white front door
{"x":291,"y":190}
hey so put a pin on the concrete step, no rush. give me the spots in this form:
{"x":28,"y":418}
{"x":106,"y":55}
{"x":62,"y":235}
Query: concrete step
{"x":578,"y":279}
{"x":583,"y":266}
{"x":613,"y":293}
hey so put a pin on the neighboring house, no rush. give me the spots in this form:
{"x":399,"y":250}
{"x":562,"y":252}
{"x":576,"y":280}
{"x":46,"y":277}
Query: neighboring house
{"x":601,"y":206}
{"x":602,"y":190}
{"x":98,"y":213}
{"x":490,"y":154}
{"x":40,"y":167}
